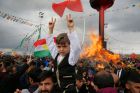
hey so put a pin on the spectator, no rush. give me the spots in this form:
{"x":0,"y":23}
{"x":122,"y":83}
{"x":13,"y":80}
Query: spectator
{"x":11,"y":81}
{"x":47,"y":83}
{"x":121,"y":73}
{"x":104,"y":82}
{"x":133,"y":82}
{"x":82,"y":86}
{"x":33,"y":80}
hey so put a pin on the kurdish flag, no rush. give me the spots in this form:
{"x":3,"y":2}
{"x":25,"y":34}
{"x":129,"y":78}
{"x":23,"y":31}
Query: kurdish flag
{"x":41,"y":48}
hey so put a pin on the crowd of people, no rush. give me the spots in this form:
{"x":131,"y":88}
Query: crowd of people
{"x":65,"y":72}
{"x":25,"y":74}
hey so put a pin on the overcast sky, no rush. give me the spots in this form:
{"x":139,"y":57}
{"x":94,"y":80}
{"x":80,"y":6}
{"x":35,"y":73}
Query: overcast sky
{"x":122,"y":30}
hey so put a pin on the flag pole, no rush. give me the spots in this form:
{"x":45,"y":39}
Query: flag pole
{"x":84,"y":32}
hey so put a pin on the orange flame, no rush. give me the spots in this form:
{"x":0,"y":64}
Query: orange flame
{"x":100,"y":66}
{"x":96,"y":52}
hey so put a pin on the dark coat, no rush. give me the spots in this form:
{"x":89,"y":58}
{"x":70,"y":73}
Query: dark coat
{"x":11,"y":81}
{"x":122,"y":77}
{"x":66,"y":71}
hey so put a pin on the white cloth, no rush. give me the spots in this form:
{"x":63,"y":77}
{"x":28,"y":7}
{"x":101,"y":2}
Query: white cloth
{"x":75,"y":47}
{"x":25,"y":91}
{"x":119,"y":73}
{"x":37,"y":91}
{"x":59,"y":59}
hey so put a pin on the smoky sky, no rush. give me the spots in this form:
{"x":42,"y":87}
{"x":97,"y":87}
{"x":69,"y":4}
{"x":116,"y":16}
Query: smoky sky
{"x":122,"y":29}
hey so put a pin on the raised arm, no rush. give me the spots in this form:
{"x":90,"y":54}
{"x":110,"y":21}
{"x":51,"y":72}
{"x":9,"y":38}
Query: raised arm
{"x":75,"y":47}
{"x":50,"y":39}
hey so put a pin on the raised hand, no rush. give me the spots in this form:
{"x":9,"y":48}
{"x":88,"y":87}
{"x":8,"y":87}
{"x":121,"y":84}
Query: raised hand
{"x":17,"y":91}
{"x":70,"y":23}
{"x":29,"y":60}
{"x":51,"y":25}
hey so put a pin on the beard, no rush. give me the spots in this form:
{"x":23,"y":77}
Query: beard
{"x":44,"y":91}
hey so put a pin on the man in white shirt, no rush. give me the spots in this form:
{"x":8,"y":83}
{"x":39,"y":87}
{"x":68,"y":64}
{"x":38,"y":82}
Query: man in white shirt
{"x":120,"y":72}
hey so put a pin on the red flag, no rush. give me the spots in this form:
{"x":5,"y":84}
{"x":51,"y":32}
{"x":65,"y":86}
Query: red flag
{"x":74,"y":5}
{"x":59,"y":8}
{"x":40,"y":42}
{"x":54,"y":39}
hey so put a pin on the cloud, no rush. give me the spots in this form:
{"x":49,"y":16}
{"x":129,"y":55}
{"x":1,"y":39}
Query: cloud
{"x":119,"y":22}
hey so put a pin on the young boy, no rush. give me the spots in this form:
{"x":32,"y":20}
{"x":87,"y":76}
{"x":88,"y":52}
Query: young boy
{"x":65,"y":53}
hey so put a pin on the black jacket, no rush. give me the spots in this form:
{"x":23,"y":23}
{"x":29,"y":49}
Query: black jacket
{"x":66,"y":71}
{"x":11,"y":82}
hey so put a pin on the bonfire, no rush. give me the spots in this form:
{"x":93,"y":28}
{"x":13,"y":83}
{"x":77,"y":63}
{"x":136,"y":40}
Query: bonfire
{"x":95,"y":51}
